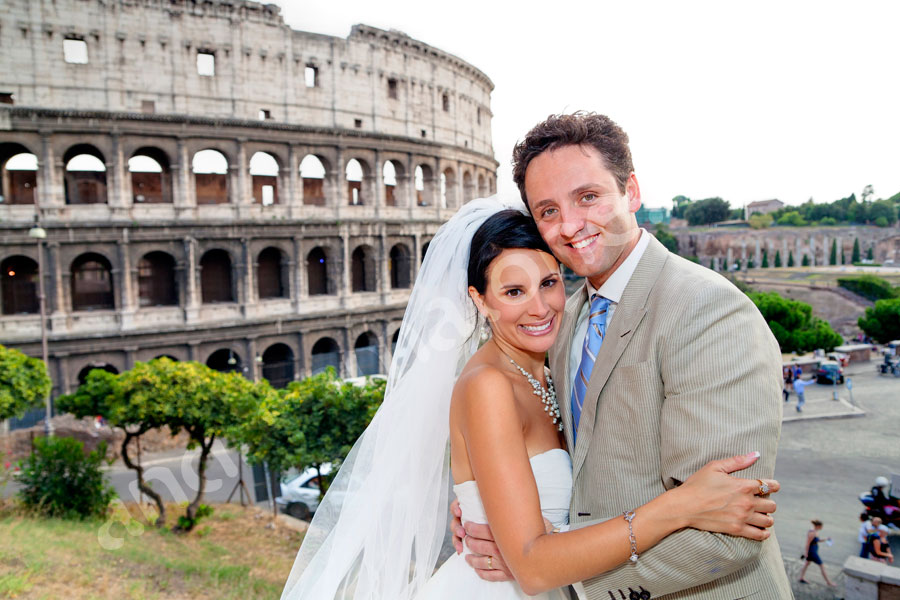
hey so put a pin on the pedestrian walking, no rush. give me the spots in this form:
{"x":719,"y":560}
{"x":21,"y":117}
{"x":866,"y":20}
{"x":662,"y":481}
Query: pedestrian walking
{"x":799,"y":389}
{"x":812,"y":552}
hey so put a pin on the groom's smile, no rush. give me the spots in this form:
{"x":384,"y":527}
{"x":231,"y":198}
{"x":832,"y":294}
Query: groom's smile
{"x":584,"y":217}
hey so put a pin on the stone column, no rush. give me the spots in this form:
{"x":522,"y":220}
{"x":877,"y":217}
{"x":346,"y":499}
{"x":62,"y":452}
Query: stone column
{"x":299,"y":289}
{"x":183,"y":197}
{"x":377,"y":182}
{"x":116,"y":193}
{"x":126,"y":285}
{"x":248,"y":299}
{"x":192,"y":281}
{"x":294,"y":196}
{"x":757,"y":261}
{"x":337,"y":182}
{"x":729,"y":259}
{"x":251,"y":367}
{"x":345,"y":287}
{"x":57,"y":293}
{"x":50,"y":192}
{"x":416,"y":255}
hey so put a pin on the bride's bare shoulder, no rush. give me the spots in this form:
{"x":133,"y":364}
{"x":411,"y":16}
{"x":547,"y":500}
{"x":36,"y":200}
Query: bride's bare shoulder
{"x":482,"y":381}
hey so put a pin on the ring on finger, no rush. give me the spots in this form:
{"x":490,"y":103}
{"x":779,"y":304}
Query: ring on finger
{"x":763,"y":488}
{"x":490,"y":563}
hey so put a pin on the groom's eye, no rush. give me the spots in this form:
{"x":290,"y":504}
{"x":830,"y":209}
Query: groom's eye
{"x":548,"y":212}
{"x":589,"y":197}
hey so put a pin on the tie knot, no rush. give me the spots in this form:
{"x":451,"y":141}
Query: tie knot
{"x":598,"y":302}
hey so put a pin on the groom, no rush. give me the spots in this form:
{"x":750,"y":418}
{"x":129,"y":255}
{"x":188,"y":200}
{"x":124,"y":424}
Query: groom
{"x":687,"y":371}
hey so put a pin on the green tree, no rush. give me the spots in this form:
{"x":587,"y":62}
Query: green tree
{"x":712,"y":264}
{"x":828,"y":221}
{"x":885,"y":209}
{"x":679,"y":206}
{"x":870,"y":253}
{"x":666,"y":238}
{"x":750,"y":264}
{"x":805,"y":262}
{"x":882,"y":321}
{"x":881,"y":222}
{"x":792,"y":219}
{"x":778,"y":258}
{"x":855,"y":257}
{"x":832,"y":260}
{"x":790,"y":262}
{"x":760,"y":221}
{"x":765,"y":258}
{"x":867,"y":193}
{"x":707,"y":211}
{"x":793,"y":324}
{"x":24,"y":383}
{"x":869,"y":287}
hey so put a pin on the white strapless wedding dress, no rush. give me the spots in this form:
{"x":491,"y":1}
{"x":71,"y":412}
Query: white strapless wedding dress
{"x":457,"y":580}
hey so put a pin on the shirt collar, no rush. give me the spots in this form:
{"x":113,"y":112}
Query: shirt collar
{"x":614,"y":287}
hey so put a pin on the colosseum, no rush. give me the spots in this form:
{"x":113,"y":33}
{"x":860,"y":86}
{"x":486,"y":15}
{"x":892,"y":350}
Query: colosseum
{"x":216,"y":186}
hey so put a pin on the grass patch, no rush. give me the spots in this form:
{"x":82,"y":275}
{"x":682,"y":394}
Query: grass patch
{"x":232,"y":556}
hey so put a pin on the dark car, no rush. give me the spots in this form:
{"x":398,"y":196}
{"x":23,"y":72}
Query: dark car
{"x":830,"y":372}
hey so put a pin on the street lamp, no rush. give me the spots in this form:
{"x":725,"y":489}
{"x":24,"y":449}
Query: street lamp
{"x":40,"y":234}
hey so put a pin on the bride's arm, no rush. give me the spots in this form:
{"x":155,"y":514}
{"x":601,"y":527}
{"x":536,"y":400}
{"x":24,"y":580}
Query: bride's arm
{"x":495,"y":442}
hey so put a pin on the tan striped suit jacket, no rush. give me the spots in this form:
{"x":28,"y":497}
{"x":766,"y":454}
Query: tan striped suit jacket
{"x":688,"y":372}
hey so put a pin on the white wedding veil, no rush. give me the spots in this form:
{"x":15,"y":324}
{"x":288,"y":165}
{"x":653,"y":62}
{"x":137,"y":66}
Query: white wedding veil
{"x":378,"y":531}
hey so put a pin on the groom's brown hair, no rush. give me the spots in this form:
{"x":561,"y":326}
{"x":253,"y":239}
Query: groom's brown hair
{"x":579,"y":128}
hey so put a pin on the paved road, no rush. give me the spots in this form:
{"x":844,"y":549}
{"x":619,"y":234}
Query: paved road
{"x":823,"y":465}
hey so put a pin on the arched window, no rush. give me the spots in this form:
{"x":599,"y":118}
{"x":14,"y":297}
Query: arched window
{"x":325,"y":353}
{"x":83,"y":373}
{"x":448,"y":188}
{"x":389,"y":175}
{"x":317,"y":272}
{"x":19,"y":174}
{"x":367,"y":359}
{"x":420,"y":186}
{"x":215,"y":277}
{"x":92,"y":283}
{"x":156,"y":280}
{"x":482,"y":187}
{"x":210,"y":169}
{"x":85,"y":179}
{"x":264,"y":173}
{"x":354,"y":174}
{"x":468,"y":187}
{"x":278,"y":365}
{"x":151,"y":181}
{"x":363,"y":269}
{"x":224,"y":361}
{"x":269,"y":269}
{"x":312,"y":171}
{"x":400,"y":277}
{"x":19,"y":280}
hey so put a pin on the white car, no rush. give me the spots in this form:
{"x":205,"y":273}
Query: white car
{"x":300,"y":493}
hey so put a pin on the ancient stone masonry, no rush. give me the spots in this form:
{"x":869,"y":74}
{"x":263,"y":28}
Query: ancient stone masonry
{"x":216,"y":186}
{"x":737,"y":247}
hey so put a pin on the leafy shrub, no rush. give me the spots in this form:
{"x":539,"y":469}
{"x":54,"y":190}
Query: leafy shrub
{"x":828,"y":221}
{"x":869,"y":287}
{"x":23,"y":383}
{"x":186,"y":523}
{"x":882,"y":322}
{"x":60,"y":480}
{"x":793,"y":324}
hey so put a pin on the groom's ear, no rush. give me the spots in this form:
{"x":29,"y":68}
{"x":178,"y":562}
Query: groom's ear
{"x":633,"y":193}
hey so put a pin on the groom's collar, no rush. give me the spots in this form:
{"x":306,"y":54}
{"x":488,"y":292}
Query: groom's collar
{"x":614,"y":287}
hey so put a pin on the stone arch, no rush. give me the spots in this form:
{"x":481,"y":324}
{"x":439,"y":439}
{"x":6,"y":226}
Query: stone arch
{"x":85,"y":175}
{"x":18,"y":173}
{"x":400,"y":267}
{"x":278,"y":365}
{"x":325,"y":353}
{"x":448,"y":187}
{"x":468,"y":186}
{"x":19,"y":283}
{"x":425,"y":184}
{"x":225,"y":360}
{"x":313,"y":172}
{"x":271,"y":280}
{"x":264,"y":170}
{"x":368,"y":360}
{"x":210,"y":169}
{"x":355,"y":173}
{"x":84,"y":371}
{"x":216,"y":279}
{"x":156,"y":280}
{"x":92,"y":283}
{"x":317,"y":272}
{"x":482,"y":186}
{"x":362,"y":269}
{"x":151,"y":176}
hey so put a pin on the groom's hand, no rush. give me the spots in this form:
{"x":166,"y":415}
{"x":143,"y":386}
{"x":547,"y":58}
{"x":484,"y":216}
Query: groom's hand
{"x":485,"y":556}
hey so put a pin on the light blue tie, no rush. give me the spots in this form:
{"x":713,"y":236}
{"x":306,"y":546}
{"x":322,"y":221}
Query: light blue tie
{"x":592,"y":341}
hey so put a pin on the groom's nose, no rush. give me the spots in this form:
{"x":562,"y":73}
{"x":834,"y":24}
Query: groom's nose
{"x":571,"y":222}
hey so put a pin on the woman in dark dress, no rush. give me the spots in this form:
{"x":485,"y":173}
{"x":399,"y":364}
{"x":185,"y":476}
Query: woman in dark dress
{"x":812,"y":552}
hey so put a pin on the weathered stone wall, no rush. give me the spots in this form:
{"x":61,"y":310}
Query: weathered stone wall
{"x":145,"y":51}
{"x":727,"y":246}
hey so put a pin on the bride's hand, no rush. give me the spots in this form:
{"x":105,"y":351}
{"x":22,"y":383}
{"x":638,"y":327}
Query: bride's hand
{"x":713,"y":500}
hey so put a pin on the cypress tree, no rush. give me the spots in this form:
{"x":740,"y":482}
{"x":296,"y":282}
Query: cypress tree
{"x":870,"y":254}
{"x":765,"y":258}
{"x":778,"y":258}
{"x":805,"y":262}
{"x":832,"y":260}
{"x":790,"y":258}
{"x":854,"y":258}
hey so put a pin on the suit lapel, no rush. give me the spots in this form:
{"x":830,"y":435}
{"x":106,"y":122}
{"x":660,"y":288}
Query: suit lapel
{"x":626,"y":319}
{"x":559,"y":361}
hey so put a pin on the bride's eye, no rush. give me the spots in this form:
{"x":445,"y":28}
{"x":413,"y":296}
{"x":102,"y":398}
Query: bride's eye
{"x":514,"y":292}
{"x":549,"y":282}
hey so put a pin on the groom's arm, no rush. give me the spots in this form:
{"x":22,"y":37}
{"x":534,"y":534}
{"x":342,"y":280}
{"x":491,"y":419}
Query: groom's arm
{"x":721,"y":371}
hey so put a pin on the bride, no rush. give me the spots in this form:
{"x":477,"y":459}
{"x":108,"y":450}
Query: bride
{"x":491,"y":412}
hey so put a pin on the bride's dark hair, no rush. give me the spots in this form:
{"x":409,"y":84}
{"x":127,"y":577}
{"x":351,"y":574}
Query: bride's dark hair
{"x":501,"y":231}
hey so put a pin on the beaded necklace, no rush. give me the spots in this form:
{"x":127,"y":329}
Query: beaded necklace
{"x":547,"y":396}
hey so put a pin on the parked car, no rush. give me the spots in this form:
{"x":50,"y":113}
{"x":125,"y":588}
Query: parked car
{"x":830,"y":372}
{"x":300,"y":493}
{"x":839,"y":357}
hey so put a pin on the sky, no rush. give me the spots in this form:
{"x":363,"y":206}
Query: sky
{"x":747,"y":101}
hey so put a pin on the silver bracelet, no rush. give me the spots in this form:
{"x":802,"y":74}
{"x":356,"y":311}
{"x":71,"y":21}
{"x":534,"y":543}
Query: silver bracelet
{"x":629,"y":517}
